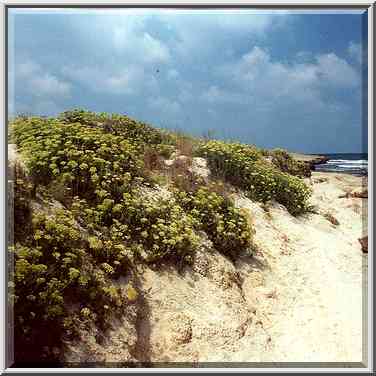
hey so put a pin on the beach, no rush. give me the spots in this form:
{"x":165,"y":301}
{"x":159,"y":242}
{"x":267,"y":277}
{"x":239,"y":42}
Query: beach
{"x":299,"y":298}
{"x":317,"y":280}
{"x":187,"y":189}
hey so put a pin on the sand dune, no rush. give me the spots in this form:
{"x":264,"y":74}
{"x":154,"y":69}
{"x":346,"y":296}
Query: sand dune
{"x":298,"y":299}
{"x":317,"y":276}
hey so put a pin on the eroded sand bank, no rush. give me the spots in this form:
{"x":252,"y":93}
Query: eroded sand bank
{"x":298,"y":299}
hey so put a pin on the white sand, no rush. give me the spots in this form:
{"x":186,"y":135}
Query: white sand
{"x":315,"y":312}
{"x":299,"y":299}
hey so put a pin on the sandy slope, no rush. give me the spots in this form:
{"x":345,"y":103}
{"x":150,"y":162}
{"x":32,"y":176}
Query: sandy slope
{"x":314,"y":313}
{"x":299,"y":299}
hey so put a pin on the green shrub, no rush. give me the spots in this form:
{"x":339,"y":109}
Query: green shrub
{"x":22,"y":193}
{"x":120,"y":125}
{"x":155,"y":230}
{"x":135,"y":227}
{"x":229,"y":159}
{"x":53,"y":269}
{"x":244,"y":167}
{"x":67,"y":260}
{"x":286,"y":163}
{"x":81,"y":158}
{"x":224,"y":224}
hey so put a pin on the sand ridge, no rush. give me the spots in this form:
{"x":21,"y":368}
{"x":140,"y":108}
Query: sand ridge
{"x":316,"y":282}
{"x":297,"y":299}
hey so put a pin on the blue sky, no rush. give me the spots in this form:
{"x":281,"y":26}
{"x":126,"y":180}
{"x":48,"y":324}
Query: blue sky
{"x":271,"y":78}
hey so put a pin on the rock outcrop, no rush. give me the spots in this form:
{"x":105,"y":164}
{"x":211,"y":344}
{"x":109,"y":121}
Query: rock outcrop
{"x":364,"y":243}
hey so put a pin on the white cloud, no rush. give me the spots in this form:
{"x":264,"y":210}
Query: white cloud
{"x":165,"y":105}
{"x":131,"y":80}
{"x":251,"y":21}
{"x":355,"y":52}
{"x":144,"y":47}
{"x":337,"y":71}
{"x":256,"y":78}
{"x":226,"y":20}
{"x":155,"y":51}
{"x":47,"y":84}
{"x":34,"y":89}
{"x":173,"y":74}
{"x":122,"y":37}
{"x":215,"y":94}
{"x":27,"y":68}
{"x":118,"y":83}
{"x":197,"y":34}
{"x":165,"y":111}
{"x":47,"y":107}
{"x":123,"y":30}
{"x":11,"y":106}
{"x":132,"y":41}
{"x":39,"y":82}
{"x":38,"y":106}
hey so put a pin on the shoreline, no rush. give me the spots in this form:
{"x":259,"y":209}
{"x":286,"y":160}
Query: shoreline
{"x":311,"y":159}
{"x":357,"y":174}
{"x":314,"y":160}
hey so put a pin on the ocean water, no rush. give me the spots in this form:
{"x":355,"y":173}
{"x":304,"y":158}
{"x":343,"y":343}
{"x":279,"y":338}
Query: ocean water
{"x":351,"y":163}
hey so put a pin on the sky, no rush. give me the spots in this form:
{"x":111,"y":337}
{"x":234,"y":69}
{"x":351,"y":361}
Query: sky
{"x":289,"y":79}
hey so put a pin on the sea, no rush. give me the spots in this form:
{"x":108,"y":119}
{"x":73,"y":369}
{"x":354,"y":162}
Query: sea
{"x":350,"y":163}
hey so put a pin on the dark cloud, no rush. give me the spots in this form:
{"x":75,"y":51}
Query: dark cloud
{"x":195,"y":71}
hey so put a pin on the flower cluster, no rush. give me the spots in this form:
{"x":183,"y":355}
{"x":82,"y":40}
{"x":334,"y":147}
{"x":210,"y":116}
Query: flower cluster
{"x":245,"y":167}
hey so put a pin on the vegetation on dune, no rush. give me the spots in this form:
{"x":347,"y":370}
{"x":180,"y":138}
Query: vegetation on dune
{"x":99,"y":167}
{"x":286,"y":163}
{"x":226,"y":226}
{"x":119,"y":125}
{"x":245,"y":167}
{"x":55,"y":268}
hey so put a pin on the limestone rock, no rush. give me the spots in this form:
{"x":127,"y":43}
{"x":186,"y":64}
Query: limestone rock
{"x":364,"y":244}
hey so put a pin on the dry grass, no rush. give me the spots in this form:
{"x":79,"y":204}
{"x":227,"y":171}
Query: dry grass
{"x":180,"y":175}
{"x":285,"y":238}
{"x":266,"y":208}
{"x":320,"y":180}
{"x":184,"y":146}
{"x":152,"y":159}
{"x":349,"y":193}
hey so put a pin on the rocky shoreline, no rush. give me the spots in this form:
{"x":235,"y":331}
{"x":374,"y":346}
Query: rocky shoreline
{"x":310,"y":159}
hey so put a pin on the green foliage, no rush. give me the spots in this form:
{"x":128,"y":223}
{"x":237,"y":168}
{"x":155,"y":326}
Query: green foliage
{"x":286,"y":163}
{"x":82,"y":159}
{"x":229,"y":159}
{"x":22,"y":193}
{"x":165,"y":150}
{"x":120,"y":125}
{"x":244,"y":167}
{"x":224,"y":224}
{"x":99,"y":167}
{"x":154,"y":230}
{"x":56,"y":268}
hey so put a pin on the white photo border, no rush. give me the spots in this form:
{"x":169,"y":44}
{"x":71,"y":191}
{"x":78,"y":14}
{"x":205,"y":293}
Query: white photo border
{"x":367,"y":6}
